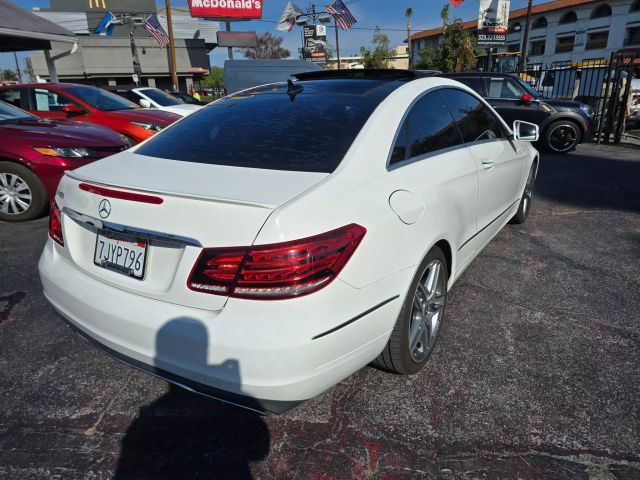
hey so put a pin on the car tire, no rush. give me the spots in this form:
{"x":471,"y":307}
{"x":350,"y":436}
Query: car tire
{"x":419,"y":323}
{"x":527,"y":196}
{"x":22,"y":194}
{"x":562,"y":136}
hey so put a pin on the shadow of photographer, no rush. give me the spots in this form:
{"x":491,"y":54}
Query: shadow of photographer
{"x":185,"y":435}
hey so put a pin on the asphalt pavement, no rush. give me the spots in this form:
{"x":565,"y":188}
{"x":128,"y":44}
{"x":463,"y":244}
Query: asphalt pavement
{"x":536,"y":374}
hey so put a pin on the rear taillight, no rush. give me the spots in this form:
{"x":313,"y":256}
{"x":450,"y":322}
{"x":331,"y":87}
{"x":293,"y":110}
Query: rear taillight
{"x":55,"y":224}
{"x":281,"y":270}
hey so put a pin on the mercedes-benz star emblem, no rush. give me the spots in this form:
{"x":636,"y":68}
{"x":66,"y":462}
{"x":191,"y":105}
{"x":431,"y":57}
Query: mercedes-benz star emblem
{"x":104,"y":209}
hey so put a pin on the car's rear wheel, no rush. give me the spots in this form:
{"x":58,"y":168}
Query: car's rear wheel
{"x":22,"y":195}
{"x":416,"y":331}
{"x":561,"y":136}
{"x":527,"y":196}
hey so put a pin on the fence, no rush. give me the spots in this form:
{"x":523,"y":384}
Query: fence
{"x":604,"y":85}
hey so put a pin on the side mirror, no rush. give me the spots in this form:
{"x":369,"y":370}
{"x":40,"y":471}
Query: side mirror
{"x":145,"y":103}
{"x":73,"y":110}
{"x":528,"y":132}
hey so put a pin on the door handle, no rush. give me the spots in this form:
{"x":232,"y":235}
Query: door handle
{"x":487,"y":164}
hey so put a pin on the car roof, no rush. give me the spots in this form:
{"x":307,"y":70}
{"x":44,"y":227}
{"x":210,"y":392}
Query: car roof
{"x":365,"y":88}
{"x":389,"y":74}
{"x":478,"y":74}
{"x":45,"y":85}
{"x":371,"y":83}
{"x":374,"y":84}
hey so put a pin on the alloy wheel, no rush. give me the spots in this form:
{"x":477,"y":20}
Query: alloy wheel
{"x":15,"y":194}
{"x":427,"y":311}
{"x":528,"y":193}
{"x":563,"y":138}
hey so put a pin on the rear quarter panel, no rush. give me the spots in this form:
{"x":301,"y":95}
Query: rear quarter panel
{"x":358,"y":192}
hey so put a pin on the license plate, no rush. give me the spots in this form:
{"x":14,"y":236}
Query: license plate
{"x":120,"y":252}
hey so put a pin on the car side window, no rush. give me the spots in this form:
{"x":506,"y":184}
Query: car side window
{"x":399,"y":151}
{"x":505,"y":88}
{"x":477,"y":84}
{"x":132,"y":96}
{"x":48,"y":101}
{"x":11,"y":96}
{"x":475,"y":120}
{"x":427,"y":128}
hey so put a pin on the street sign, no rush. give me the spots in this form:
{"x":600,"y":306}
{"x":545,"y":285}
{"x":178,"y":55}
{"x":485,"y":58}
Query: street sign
{"x":493,"y":21}
{"x":237,"y":39}
{"x":226,"y":9}
{"x":315,"y":44}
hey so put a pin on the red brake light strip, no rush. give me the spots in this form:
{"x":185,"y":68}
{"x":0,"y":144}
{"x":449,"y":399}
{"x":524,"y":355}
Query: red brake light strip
{"x":122,"y":195}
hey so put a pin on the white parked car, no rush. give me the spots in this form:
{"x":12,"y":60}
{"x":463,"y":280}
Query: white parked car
{"x":270,"y":245}
{"x":149,"y":97}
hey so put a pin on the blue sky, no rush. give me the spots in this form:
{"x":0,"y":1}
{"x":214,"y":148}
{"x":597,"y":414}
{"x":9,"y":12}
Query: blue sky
{"x":388,"y":14}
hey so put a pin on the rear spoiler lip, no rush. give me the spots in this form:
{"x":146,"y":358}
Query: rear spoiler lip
{"x":232,"y":201}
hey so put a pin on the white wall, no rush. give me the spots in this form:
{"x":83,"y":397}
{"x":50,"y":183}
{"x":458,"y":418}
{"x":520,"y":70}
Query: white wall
{"x":617,"y":24}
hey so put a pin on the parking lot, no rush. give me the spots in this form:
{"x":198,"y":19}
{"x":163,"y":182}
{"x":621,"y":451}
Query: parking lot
{"x":536,"y":374}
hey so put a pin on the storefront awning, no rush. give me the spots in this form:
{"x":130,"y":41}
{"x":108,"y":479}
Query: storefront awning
{"x":22,"y":30}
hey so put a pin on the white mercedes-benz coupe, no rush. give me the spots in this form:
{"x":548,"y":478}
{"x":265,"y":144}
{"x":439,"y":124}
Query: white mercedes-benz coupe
{"x":269,"y":245}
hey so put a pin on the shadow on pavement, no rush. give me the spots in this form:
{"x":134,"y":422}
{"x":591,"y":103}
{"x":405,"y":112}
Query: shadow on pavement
{"x":183,"y":435}
{"x":599,"y":180}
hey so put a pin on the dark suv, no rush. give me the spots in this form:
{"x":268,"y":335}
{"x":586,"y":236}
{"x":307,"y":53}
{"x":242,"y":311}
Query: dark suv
{"x":563,"y":123}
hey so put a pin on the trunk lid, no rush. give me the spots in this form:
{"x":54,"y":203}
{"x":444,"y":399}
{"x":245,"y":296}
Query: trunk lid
{"x":201,"y":206}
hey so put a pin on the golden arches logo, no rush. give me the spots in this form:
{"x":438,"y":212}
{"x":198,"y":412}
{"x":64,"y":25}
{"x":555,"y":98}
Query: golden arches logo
{"x":104,"y":5}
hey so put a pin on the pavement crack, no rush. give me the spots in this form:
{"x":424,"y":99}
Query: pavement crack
{"x":580,"y":266}
{"x":580,"y":457}
{"x":91,"y":431}
{"x":536,"y":308}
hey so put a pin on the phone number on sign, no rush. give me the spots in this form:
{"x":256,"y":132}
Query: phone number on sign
{"x":492,"y":38}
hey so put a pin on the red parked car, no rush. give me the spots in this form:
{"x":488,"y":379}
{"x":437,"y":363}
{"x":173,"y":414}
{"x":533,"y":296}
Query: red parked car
{"x":34,"y":153}
{"x":84,"y":103}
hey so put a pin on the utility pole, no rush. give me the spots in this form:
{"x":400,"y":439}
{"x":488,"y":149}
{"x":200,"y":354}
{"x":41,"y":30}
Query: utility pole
{"x":229,"y":49}
{"x":525,"y":36}
{"x":409,"y":13}
{"x":337,"y":43}
{"x":137,"y":69}
{"x":172,"y":47}
{"x":15,"y":56}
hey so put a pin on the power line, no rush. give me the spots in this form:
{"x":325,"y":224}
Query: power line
{"x":383,"y":29}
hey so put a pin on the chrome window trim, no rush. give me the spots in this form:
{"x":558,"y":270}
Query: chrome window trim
{"x":425,"y":156}
{"x":407,"y":161}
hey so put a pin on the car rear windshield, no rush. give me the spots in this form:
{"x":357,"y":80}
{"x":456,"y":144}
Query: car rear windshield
{"x":308,"y":132}
{"x":11,"y":114}
{"x":100,"y":99}
{"x":161,"y":98}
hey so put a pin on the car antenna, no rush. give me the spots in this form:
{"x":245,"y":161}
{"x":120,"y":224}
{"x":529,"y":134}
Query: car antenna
{"x":293,"y":89}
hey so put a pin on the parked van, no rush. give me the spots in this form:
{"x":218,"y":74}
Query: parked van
{"x":242,"y":74}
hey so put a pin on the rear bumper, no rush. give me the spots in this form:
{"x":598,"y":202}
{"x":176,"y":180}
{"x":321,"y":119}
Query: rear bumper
{"x":262,"y":355}
{"x":254,"y":404}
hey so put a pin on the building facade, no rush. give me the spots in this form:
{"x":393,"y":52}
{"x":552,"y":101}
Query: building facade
{"x":400,"y":59}
{"x":108,"y":61}
{"x":561,"y":31}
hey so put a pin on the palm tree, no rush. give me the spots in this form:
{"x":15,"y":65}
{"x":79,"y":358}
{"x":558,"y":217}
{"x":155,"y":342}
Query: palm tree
{"x":466,"y":56}
{"x":408,"y":14}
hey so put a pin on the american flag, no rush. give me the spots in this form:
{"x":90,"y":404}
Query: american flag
{"x":152,"y":25}
{"x":341,"y":13}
